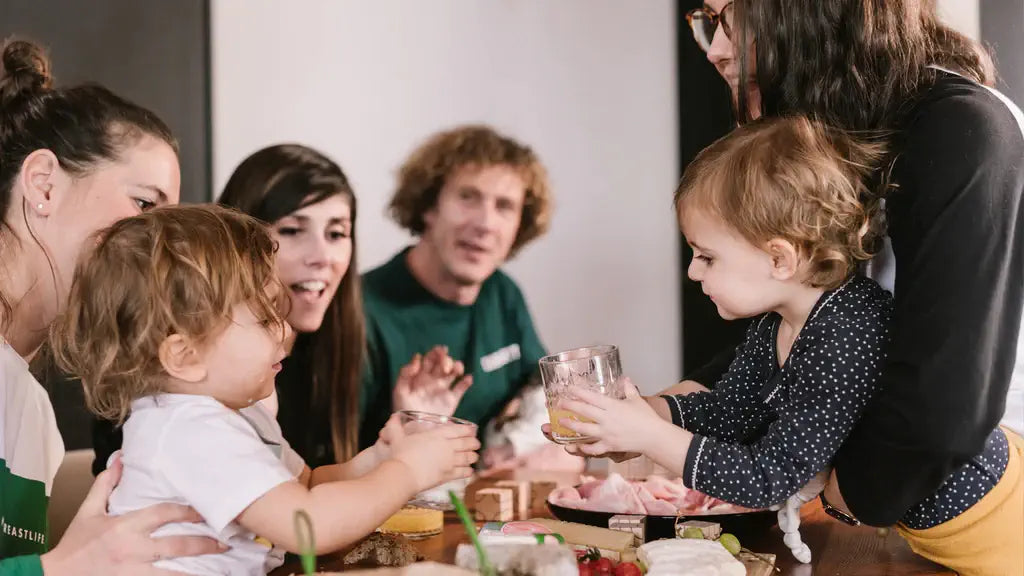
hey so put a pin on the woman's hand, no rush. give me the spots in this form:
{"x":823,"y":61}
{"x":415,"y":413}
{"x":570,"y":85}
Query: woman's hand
{"x":98,"y":544}
{"x":432,"y":383}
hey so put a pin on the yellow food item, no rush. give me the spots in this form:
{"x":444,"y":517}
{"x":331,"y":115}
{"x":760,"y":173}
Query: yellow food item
{"x":415,"y":522}
{"x":559,"y":431}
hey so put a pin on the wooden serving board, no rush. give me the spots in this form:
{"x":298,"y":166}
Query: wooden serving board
{"x":417,"y":569}
{"x":755,"y":566}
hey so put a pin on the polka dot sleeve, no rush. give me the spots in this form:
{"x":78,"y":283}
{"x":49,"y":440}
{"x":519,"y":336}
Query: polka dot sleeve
{"x":734,"y":405}
{"x":814,"y":399}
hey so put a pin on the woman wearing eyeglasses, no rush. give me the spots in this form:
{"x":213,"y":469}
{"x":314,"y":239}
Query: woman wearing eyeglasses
{"x":955,"y":216}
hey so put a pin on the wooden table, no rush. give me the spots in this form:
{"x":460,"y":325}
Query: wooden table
{"x":837,"y":549}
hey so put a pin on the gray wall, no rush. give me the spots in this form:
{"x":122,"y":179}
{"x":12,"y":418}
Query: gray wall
{"x":155,"y":53}
{"x":1002,"y":28}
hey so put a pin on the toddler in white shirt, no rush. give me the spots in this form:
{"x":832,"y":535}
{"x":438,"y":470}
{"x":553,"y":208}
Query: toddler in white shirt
{"x":174,"y":318}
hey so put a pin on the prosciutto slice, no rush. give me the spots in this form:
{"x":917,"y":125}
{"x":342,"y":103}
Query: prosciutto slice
{"x":656,"y":496}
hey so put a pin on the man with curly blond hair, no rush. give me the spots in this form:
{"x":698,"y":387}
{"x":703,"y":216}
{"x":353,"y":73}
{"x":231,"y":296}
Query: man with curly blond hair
{"x":474,"y":198}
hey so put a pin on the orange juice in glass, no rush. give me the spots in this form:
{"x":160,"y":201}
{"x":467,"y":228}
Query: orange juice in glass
{"x":594,"y":368}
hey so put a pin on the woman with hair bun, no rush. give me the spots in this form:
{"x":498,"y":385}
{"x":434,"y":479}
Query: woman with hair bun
{"x":72,"y":161}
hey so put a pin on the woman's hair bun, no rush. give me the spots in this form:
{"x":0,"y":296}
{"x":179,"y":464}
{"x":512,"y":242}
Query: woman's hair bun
{"x":25,"y":70}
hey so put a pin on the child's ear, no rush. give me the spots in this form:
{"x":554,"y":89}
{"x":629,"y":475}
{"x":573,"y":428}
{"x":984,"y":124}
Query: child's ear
{"x":182,"y":360}
{"x":785,"y":258}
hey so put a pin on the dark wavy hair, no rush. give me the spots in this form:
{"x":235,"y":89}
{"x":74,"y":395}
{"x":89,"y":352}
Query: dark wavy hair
{"x":82,"y":125}
{"x":855,"y":64}
{"x":271,"y":184}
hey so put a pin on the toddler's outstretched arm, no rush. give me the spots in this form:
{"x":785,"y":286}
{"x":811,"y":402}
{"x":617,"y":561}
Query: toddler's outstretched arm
{"x":344,"y":511}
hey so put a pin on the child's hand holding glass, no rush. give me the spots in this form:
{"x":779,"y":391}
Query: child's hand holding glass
{"x":437,"y":455}
{"x":622,"y":427}
{"x":391,"y":433}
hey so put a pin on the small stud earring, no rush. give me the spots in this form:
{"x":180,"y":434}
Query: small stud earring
{"x":39,"y":206}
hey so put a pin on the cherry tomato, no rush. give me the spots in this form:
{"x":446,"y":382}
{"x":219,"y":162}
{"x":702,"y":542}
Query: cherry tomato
{"x":627,"y":569}
{"x":604,"y":567}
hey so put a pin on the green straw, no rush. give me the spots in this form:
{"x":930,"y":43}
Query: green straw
{"x":485,"y":565}
{"x":307,"y":544}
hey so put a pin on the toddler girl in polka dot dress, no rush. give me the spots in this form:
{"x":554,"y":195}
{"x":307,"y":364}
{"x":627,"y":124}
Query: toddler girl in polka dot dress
{"x":775,"y":217}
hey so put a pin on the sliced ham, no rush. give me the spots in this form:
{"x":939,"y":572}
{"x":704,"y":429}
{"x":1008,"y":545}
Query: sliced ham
{"x":566,"y":496}
{"x":654,"y":506}
{"x":694,"y":501}
{"x":586,"y":489}
{"x":664,"y":489}
{"x":616,"y":495}
{"x":657,"y":496}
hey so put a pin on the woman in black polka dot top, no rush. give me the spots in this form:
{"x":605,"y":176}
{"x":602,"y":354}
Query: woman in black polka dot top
{"x":775,"y":217}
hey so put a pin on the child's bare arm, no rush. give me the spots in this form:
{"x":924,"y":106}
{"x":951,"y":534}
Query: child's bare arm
{"x":342,"y":512}
{"x":357,"y":467}
{"x":366,"y":460}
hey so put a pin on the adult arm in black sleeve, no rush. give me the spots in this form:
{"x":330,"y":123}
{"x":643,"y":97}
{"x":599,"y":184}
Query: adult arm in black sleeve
{"x":709,"y":374}
{"x":957,"y":227}
{"x":106,"y":439}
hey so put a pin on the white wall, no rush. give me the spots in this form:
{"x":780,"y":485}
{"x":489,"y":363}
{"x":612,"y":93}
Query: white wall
{"x":963,"y":15}
{"x":590,"y":84}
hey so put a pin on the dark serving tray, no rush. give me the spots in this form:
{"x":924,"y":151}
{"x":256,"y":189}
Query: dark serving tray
{"x":743,"y":525}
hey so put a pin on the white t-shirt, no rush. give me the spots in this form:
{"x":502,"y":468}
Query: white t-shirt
{"x":31,"y":451}
{"x":190,"y":449}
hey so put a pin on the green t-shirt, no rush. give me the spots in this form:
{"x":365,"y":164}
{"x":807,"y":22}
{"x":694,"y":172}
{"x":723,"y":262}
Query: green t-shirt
{"x":31,"y":451}
{"x":494,"y":337}
{"x":21,"y":566}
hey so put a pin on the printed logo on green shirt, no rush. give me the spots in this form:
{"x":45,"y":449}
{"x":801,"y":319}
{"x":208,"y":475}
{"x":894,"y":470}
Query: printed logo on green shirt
{"x":500,"y":357}
{"x":23,"y":522}
{"x":22,"y":533}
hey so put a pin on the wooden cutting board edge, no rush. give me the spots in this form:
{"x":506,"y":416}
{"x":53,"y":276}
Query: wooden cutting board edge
{"x":756,"y":567}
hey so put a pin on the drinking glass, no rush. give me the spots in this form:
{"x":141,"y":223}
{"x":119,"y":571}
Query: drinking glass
{"x":594,"y":368}
{"x":435,"y":498}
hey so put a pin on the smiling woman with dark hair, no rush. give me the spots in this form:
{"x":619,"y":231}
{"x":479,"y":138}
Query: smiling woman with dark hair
{"x":311,"y":209}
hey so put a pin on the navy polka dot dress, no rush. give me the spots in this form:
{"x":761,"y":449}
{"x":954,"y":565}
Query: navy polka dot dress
{"x":766,"y":430}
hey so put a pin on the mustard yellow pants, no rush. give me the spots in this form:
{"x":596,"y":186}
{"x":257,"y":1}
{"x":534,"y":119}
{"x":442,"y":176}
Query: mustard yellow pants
{"x":988,"y":538}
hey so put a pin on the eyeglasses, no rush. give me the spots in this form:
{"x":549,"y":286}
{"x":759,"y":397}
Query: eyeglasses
{"x":704,"y":21}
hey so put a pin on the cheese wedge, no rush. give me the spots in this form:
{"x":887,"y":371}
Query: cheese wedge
{"x":613,"y":544}
{"x":690,"y":557}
